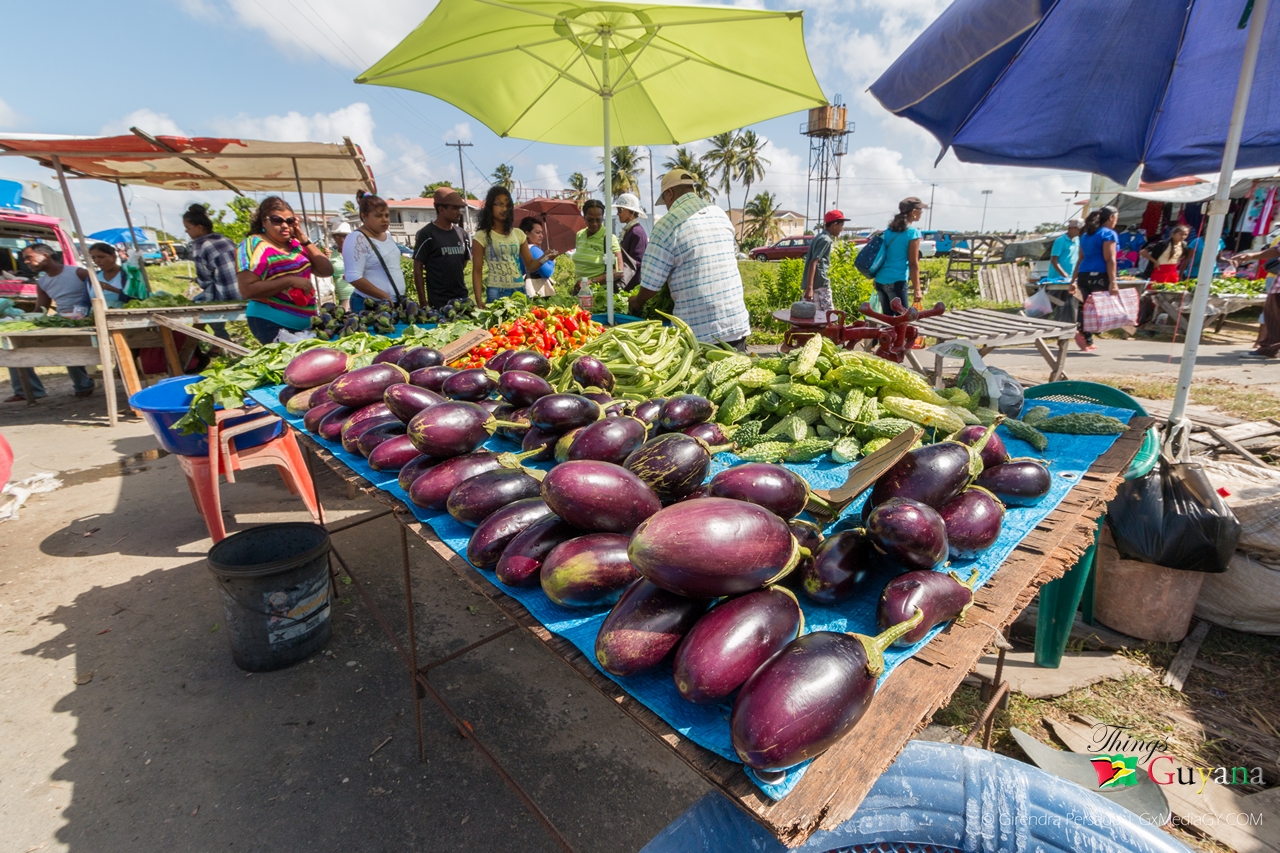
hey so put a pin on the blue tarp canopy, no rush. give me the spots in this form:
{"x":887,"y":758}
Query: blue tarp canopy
{"x":120,"y":236}
{"x":1090,"y":85}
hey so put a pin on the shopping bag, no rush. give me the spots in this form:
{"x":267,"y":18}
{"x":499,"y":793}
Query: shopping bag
{"x":134,"y":286}
{"x":871,"y":256}
{"x":1038,"y":304}
{"x":990,"y":386}
{"x":1174,"y":518}
{"x":1104,"y":311}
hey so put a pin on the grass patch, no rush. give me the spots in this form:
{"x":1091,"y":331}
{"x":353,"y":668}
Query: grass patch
{"x":171,"y":278}
{"x":1236,"y":400}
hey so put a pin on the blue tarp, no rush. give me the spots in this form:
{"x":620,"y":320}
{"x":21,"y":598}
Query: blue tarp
{"x":1092,"y":85}
{"x":1069,"y":456}
{"x":120,"y":236}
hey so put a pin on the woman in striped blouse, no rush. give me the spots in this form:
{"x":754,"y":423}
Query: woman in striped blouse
{"x":276,"y":262}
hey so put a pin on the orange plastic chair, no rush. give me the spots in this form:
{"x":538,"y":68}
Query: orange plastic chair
{"x":224,"y":459}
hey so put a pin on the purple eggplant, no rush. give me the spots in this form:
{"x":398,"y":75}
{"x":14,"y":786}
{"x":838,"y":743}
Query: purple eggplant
{"x":522,"y":388}
{"x":843,"y":566}
{"x":534,"y":439}
{"x":432,"y":488}
{"x":973,"y":522}
{"x":600,"y":399}
{"x":451,"y":429}
{"x":391,"y":355}
{"x":808,"y":534}
{"x":330,"y":425}
{"x":908,"y":532}
{"x":513,"y":422}
{"x":372,"y":439}
{"x":709,"y":432}
{"x":498,"y":361}
{"x":643,"y":628}
{"x":419,"y":357}
{"x":806,"y":697}
{"x":599,"y":496}
{"x":590,"y":372}
{"x":494,"y":534}
{"x":528,"y":361}
{"x":316,"y":414}
{"x":473,"y":385}
{"x":713,"y":547}
{"x":560,"y":413}
{"x":306,"y":399}
{"x":608,"y":440}
{"x":937,"y":596}
{"x":685,"y":411}
{"x":365,"y":385}
{"x":617,"y":409}
{"x":352,"y":431}
{"x":564,"y":442}
{"x":673,"y":464}
{"x":373,"y":410}
{"x":734,"y":640}
{"x":933,"y":474}
{"x":318,"y":366}
{"x":287,"y":393}
{"x":649,"y":410}
{"x":393,"y":454}
{"x":779,"y":490}
{"x":490,"y":405}
{"x":703,"y":491}
{"x":993,"y":454}
{"x":521,"y":561}
{"x":476,"y":498}
{"x":1018,"y":482}
{"x":432,"y":378}
{"x":415,"y":468}
{"x":589,"y":571}
{"x":405,"y":400}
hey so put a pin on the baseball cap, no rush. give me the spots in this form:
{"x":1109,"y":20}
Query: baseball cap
{"x":911,"y":203}
{"x":678,"y":178}
{"x":447,"y":196}
{"x":629,"y":201}
{"x":833,"y":216}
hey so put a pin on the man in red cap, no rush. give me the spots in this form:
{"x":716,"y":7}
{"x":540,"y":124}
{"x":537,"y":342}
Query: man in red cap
{"x":441,"y":250}
{"x":817,"y":261}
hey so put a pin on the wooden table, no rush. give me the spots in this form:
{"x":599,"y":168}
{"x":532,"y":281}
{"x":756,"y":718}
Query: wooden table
{"x":989,"y":330}
{"x":837,"y":781}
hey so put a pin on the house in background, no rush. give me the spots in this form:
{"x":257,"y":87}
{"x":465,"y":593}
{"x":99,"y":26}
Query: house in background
{"x":408,"y":215}
{"x":790,"y":222}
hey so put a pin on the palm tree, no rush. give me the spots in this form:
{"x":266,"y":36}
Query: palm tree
{"x":686,"y":160}
{"x":750,"y":164}
{"x":578,"y":187}
{"x":760,"y":216}
{"x":722,"y":161}
{"x":626,"y":171}
{"x":347,"y":207}
{"x":502,"y":176}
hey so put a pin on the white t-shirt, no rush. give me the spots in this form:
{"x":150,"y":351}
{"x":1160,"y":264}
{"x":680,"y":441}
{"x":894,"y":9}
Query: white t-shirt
{"x":360,"y":262}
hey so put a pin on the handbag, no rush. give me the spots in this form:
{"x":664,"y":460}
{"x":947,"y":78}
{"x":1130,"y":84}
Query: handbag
{"x":870,"y":257}
{"x":1104,"y":311}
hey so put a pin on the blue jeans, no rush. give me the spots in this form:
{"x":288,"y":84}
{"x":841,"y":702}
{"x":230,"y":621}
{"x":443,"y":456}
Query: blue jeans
{"x":80,"y":381}
{"x":889,"y":292}
{"x":492,"y":293}
{"x":264,"y":330}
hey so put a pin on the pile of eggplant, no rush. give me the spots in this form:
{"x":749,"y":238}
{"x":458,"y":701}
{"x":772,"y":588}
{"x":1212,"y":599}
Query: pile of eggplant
{"x":705,"y":574}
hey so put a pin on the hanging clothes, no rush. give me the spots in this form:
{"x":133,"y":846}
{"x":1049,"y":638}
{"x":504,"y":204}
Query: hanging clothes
{"x":1151,"y":219}
{"x":1194,"y":214}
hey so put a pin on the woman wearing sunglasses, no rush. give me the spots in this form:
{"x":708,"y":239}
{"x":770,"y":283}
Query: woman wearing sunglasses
{"x":276,"y":262}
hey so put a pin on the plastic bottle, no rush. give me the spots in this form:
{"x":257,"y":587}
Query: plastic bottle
{"x":586,"y":299}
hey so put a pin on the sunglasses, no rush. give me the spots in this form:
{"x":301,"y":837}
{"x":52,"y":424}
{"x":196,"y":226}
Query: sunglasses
{"x":280,"y":220}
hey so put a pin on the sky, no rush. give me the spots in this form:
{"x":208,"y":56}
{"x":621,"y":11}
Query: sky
{"x":284,"y":69}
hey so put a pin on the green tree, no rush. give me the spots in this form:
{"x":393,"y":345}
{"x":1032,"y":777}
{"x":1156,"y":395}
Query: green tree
{"x":686,"y":160}
{"x":430,"y":189}
{"x":626,"y":171}
{"x":1049,"y":227}
{"x":750,"y":164}
{"x":240,"y":210}
{"x":349,"y":207}
{"x":760,"y":217}
{"x":502,"y":176}
{"x":722,"y":161}
{"x":578,"y":187}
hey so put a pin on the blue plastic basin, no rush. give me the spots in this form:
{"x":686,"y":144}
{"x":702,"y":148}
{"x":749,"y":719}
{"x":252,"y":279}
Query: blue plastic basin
{"x":164,"y":404}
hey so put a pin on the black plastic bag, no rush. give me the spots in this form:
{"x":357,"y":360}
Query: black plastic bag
{"x":1173,"y":517}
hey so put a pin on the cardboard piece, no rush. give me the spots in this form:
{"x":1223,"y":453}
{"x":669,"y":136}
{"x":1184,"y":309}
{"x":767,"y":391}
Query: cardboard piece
{"x":1075,"y":672}
{"x":867,"y":470}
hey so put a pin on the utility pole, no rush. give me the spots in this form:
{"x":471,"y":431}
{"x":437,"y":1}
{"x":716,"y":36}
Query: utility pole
{"x":462,"y":173}
{"x":986,"y":196}
{"x":652,"y":206}
{"x":932,"y":187}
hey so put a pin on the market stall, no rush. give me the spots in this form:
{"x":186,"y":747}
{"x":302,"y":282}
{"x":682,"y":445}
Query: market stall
{"x":177,"y":163}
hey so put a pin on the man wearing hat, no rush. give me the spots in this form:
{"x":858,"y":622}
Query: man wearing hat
{"x":441,"y":250}
{"x":817,"y":261}
{"x":693,"y":252}
{"x":634,"y":242}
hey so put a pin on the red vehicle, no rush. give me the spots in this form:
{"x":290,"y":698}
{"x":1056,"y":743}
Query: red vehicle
{"x":788,"y":247}
{"x":17,"y":231}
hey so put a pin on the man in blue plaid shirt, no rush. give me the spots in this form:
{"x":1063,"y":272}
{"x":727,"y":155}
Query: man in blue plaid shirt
{"x":693,"y":251}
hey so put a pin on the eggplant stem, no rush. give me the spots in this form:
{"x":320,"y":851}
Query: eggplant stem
{"x":875,"y":646}
{"x":823,"y":506}
{"x":512,"y":424}
{"x":969,"y":585}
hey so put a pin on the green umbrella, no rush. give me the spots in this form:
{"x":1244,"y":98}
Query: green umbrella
{"x":602,"y":73}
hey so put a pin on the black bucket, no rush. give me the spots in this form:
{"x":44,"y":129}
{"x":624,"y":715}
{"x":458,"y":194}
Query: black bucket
{"x":274,"y":581}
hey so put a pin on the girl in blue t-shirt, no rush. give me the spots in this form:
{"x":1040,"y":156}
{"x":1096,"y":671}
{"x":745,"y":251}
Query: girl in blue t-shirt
{"x":1096,"y":271}
{"x":901,"y":257}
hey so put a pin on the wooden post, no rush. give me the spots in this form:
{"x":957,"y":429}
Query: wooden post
{"x":99,"y":303}
{"x":302,"y":201}
{"x":128,"y":220}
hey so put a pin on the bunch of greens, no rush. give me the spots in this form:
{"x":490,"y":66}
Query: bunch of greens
{"x":52,"y":321}
{"x":513,"y":307}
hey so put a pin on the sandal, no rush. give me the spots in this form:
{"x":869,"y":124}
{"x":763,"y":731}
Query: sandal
{"x":16,"y":398}
{"x":88,"y":393}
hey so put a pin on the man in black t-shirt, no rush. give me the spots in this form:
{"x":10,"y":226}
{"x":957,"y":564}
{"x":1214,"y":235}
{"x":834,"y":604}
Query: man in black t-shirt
{"x":441,"y":250}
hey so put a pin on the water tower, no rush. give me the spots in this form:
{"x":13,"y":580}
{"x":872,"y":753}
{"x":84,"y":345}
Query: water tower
{"x":828,"y":132}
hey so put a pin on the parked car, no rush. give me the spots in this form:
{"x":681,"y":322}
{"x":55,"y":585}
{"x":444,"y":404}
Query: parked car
{"x":17,"y":231}
{"x":788,"y":247}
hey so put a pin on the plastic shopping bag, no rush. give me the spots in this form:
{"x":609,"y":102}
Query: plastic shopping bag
{"x":1104,"y":311}
{"x":1174,"y":518}
{"x":991,"y":386}
{"x":1039,"y":304}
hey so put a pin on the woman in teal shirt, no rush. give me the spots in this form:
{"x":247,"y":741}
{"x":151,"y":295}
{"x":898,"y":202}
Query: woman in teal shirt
{"x":901,"y":257}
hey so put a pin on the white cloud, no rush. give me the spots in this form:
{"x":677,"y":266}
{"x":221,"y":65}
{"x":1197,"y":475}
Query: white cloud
{"x":157,"y":124}
{"x":460,"y":132}
{"x":547,"y":176}
{"x":354,"y":120}
{"x":9,"y":117}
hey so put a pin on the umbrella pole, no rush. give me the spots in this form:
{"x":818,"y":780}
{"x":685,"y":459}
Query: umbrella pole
{"x":1217,"y":215}
{"x":607,"y":96}
{"x":133,"y":237}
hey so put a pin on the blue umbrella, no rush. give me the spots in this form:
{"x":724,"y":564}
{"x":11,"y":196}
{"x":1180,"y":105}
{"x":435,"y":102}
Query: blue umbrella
{"x":1105,"y":86}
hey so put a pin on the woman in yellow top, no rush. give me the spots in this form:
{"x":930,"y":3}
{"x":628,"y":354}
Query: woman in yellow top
{"x":497,"y":249}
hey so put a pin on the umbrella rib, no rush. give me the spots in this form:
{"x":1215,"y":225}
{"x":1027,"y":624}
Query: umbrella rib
{"x":638,"y":80}
{"x":736,"y":19}
{"x":430,"y":65}
{"x":680,"y":51}
{"x":562,"y":74}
